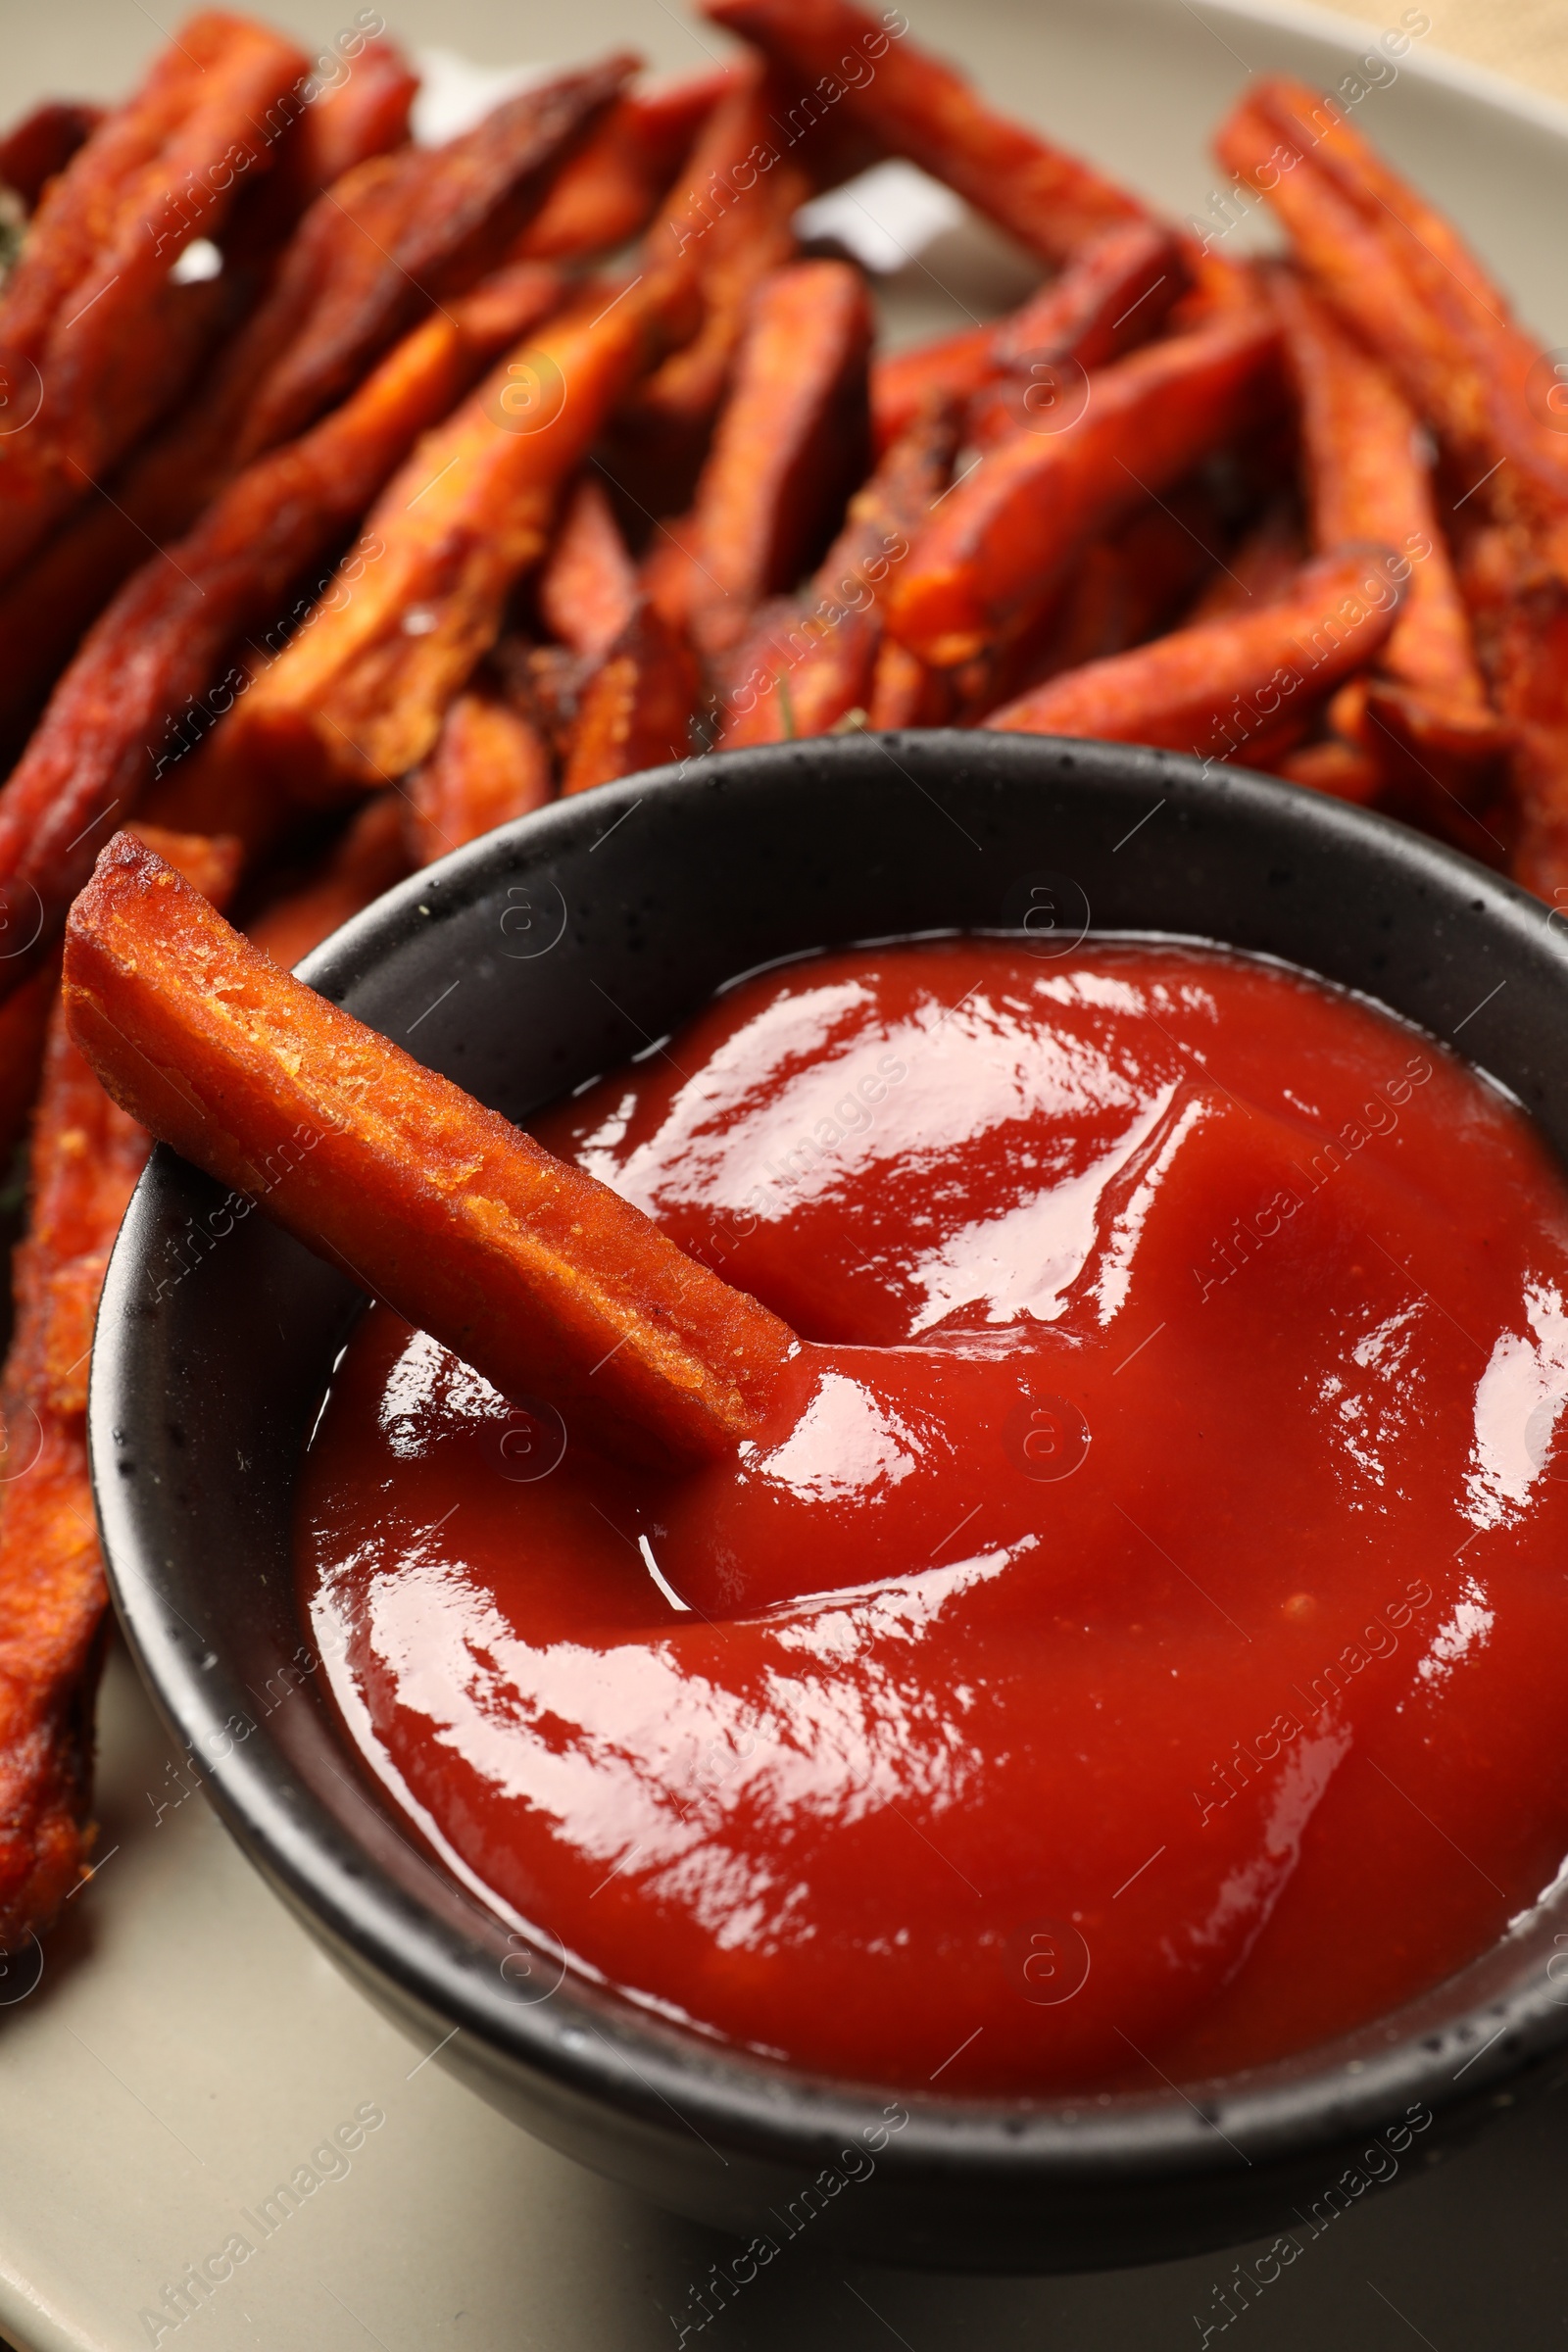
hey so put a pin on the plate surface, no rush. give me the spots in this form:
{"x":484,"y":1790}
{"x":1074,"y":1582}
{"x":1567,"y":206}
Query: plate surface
{"x":187,"y":2049}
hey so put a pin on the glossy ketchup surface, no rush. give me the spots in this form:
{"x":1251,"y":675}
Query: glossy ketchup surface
{"x":1141,"y":1642}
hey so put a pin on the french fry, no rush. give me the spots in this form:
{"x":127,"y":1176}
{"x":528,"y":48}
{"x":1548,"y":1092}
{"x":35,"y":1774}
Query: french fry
{"x":1339,"y":768}
{"x":915,"y":106}
{"x":1367,"y":481}
{"x":490,"y":765}
{"x":397,"y":233}
{"x":34,"y":150}
{"x":811,"y":664}
{"x":1001,"y":540}
{"x":160,"y":645}
{"x":905,"y":693}
{"x":1224,"y":689}
{"x":954,"y":366}
{"x":372,"y":854}
{"x":86,"y":1154}
{"x":358,"y":698}
{"x":609,"y":191}
{"x":91,"y":327}
{"x":588,"y":585}
{"x":1112,"y":294}
{"x":545,"y":683}
{"x":540,"y":1277}
{"x":1398,"y":273}
{"x":1110,"y":297}
{"x":727,"y":217}
{"x":1260,"y":567}
{"x":790,"y":444}
{"x":346,"y":122}
{"x":170,"y":476}
{"x":635,"y":709}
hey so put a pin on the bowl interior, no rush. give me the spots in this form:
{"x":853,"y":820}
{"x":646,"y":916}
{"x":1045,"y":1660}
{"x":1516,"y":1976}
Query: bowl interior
{"x":530,"y":961}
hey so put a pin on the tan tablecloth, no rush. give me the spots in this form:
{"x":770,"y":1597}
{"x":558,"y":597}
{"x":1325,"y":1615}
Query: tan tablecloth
{"x":1526,"y":39}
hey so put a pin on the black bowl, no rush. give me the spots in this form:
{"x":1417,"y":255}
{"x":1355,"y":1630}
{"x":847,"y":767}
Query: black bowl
{"x":523,"y":964}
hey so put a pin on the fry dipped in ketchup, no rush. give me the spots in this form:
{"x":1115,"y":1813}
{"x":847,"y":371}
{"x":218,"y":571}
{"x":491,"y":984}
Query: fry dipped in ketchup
{"x":1092,"y":1601}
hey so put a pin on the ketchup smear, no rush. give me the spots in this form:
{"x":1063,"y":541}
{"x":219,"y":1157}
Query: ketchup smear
{"x":1140,"y":1645}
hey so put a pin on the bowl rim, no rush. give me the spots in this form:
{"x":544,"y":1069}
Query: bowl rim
{"x":605,"y":2047}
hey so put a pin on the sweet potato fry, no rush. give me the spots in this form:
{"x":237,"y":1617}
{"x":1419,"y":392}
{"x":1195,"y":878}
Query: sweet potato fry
{"x":954,"y":366}
{"x":915,"y":106}
{"x":544,"y":683}
{"x":1113,"y":294}
{"x":905,"y":693}
{"x":1111,"y":297}
{"x":399,"y":232}
{"x":1220,"y":690}
{"x":89,"y":314}
{"x":1339,"y":768}
{"x":589,"y":583}
{"x":357,"y":699}
{"x":161,"y":641}
{"x":1001,"y":540}
{"x":635,"y":709}
{"x":808,"y":665}
{"x":1397,"y":272}
{"x":489,"y":764}
{"x":609,"y":190}
{"x":372,"y":854}
{"x":543,"y":1278}
{"x":343,"y":125}
{"x":164,"y":482}
{"x":1367,"y":481}
{"x":792,"y":443}
{"x":43,"y":144}
{"x":728,"y":218}
{"x":87,"y":1155}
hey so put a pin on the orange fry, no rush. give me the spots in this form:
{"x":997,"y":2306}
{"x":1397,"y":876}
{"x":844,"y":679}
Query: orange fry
{"x":371,"y":855}
{"x":589,"y":583}
{"x":358,"y":698}
{"x":789,"y":446}
{"x":540,"y":1277}
{"x":811,"y":664}
{"x":1000,"y":541}
{"x":609,"y":190}
{"x":34,"y":150}
{"x":954,"y":366}
{"x":395,"y":235}
{"x":905,"y":693}
{"x":1110,"y":297}
{"x":90,"y":324}
{"x":635,"y":710}
{"x":147,"y":669}
{"x":1398,"y":273}
{"x":490,"y":765}
{"x":1223,"y":688}
{"x":1112,"y":294}
{"x":914,"y":104}
{"x":324,"y":322}
{"x":364,"y":113}
{"x":1367,"y":481}
{"x":728,"y":218}
{"x":85,"y":1158}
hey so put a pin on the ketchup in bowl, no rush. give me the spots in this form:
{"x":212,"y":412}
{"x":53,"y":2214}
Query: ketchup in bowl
{"x":1141,"y":1642}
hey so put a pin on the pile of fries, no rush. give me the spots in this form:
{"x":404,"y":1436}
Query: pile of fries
{"x":357,"y":497}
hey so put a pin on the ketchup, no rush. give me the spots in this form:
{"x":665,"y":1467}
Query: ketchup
{"x":1139,"y":1647}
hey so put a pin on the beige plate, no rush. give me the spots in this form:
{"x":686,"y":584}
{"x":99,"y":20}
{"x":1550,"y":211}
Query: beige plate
{"x":187,"y":2049}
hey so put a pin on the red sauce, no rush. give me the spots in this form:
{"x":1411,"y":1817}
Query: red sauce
{"x":1146,"y":1646}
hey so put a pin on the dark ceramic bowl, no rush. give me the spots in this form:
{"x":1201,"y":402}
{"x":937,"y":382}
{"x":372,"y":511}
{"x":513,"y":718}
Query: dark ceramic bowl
{"x":526,"y":963}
